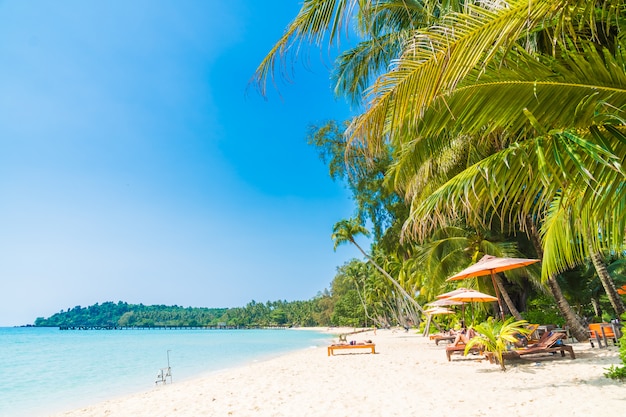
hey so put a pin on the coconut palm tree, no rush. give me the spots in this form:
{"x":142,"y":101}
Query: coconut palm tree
{"x":345,"y":231}
{"x":561,"y":228}
{"x":556,"y":118}
{"x":536,"y":98}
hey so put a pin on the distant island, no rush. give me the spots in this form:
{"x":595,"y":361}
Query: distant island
{"x":122,"y":314}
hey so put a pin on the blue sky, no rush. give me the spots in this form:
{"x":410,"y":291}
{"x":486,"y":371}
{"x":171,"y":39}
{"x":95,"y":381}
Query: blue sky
{"x":136,"y":166}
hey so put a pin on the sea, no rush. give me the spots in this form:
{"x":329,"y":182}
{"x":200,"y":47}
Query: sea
{"x":47,"y":370}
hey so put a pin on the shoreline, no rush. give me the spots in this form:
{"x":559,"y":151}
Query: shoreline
{"x":54,"y":372}
{"x":409,"y":375}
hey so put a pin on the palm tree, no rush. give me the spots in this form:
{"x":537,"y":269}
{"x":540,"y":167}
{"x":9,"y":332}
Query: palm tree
{"x":567,"y":231}
{"x":345,"y":231}
{"x":357,"y":272}
{"x":534,"y":100}
{"x":555,"y":116}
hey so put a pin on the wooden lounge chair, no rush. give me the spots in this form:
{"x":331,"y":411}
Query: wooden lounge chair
{"x":439,"y":338}
{"x":552,"y":343}
{"x":448,"y":336}
{"x":458,"y":346}
{"x":549,"y":343}
{"x":333,"y":347}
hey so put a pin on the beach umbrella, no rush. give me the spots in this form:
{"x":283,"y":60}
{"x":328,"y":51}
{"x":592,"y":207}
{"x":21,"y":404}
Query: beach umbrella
{"x":438,"y":310}
{"x":451,"y":293}
{"x":444,"y":302}
{"x":472,"y":296}
{"x":491,"y":265}
{"x":432,"y":312}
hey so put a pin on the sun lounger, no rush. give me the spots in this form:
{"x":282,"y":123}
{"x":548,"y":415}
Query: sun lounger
{"x":602,"y":332}
{"x":550,"y":343}
{"x":448,"y":336}
{"x":458,"y":346}
{"x":332,"y":348}
{"x":451,"y":349}
{"x":439,"y":338}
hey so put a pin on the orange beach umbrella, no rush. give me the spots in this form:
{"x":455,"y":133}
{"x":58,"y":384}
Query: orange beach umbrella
{"x":472,"y":296}
{"x":438,"y":310}
{"x":444,"y":302}
{"x":451,"y":293}
{"x":491,"y":265}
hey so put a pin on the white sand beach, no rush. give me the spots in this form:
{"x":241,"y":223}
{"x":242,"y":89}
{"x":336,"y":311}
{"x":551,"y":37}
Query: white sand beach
{"x":408,"y":375}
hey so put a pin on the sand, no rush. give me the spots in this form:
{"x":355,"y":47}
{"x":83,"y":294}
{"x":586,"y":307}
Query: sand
{"x":408,"y":375}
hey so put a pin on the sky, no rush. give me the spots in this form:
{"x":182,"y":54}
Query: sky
{"x":137,"y":165}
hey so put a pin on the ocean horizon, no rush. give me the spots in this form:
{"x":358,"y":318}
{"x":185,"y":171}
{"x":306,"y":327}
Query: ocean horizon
{"x":46,"y":370}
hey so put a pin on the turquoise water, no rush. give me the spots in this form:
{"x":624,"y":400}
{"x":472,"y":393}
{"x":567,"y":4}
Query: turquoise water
{"x":45,"y":370}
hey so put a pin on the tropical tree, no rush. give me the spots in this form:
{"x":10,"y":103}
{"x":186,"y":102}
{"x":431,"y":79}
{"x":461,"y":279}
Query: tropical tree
{"x":376,"y":202}
{"x":345,"y":231}
{"x":554,"y":118}
{"x":383,"y":27}
{"x":496,"y":110}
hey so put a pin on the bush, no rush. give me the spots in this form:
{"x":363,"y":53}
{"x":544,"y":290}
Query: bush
{"x":616,"y":372}
{"x":543,"y":311}
{"x":495,"y":336}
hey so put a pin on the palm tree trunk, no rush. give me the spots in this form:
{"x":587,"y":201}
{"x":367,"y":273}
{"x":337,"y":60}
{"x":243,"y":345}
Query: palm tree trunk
{"x":362,"y":299}
{"x":394,"y":282}
{"x":607,"y":283}
{"x":596,"y":307}
{"x":571,"y":318}
{"x":507,"y":299}
{"x":390,"y":278}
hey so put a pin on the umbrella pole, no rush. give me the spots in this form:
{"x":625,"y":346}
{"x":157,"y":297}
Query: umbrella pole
{"x":495,"y":287}
{"x":464,"y":326}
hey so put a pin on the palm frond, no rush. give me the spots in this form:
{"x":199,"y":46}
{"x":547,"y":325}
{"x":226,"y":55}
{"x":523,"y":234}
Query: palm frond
{"x":523,"y":180}
{"x":437,"y":59}
{"x":576,"y":92}
{"x":356,"y":68}
{"x":316,"y":20}
{"x":571,"y":233}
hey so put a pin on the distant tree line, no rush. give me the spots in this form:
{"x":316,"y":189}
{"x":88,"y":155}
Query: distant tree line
{"x":318,"y":311}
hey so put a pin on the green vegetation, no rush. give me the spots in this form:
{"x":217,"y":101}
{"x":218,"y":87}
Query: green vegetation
{"x":123,"y":314}
{"x":496,"y":336}
{"x":619,"y":372}
{"x":480,"y":128}
{"x":109,"y":314}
